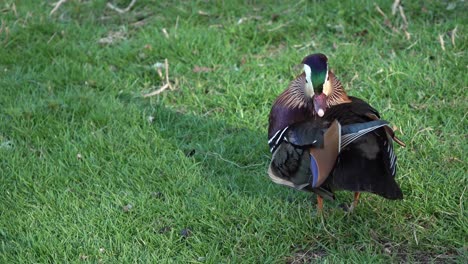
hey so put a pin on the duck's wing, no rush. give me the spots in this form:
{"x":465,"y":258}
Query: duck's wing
{"x":367,"y":161}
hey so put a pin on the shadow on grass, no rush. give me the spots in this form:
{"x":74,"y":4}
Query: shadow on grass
{"x":233,"y":157}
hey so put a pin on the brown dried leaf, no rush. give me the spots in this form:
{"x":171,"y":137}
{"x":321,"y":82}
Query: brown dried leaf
{"x":202,"y":69}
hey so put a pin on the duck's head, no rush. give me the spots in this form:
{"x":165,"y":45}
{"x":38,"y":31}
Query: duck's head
{"x":317,"y":81}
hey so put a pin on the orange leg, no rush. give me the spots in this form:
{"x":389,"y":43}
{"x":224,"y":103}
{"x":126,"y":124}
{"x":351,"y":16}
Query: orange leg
{"x":319,"y":204}
{"x":355,"y":202}
{"x":356,"y":198}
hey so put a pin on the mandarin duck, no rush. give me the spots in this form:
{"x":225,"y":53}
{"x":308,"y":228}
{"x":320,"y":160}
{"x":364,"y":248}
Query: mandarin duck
{"x":323,"y":140}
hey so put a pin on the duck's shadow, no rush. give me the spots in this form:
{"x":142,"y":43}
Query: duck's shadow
{"x":232,"y":157}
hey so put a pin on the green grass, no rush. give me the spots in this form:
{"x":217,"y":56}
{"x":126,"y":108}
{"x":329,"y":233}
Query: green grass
{"x":86,"y":177}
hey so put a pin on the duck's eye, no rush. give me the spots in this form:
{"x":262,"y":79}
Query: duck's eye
{"x":307,"y":81}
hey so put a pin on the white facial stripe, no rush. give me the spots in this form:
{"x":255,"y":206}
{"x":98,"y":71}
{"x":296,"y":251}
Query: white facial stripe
{"x":309,"y":87}
{"x":308,"y":73}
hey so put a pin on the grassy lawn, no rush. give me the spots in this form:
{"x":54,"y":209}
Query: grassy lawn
{"x":93,"y":171}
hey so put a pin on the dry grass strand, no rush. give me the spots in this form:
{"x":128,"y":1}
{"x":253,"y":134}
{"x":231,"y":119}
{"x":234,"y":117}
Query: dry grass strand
{"x":167,"y":84}
{"x":119,"y":10}
{"x":57,"y":6}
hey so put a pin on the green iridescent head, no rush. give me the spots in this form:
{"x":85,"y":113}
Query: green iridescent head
{"x":316,"y":71}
